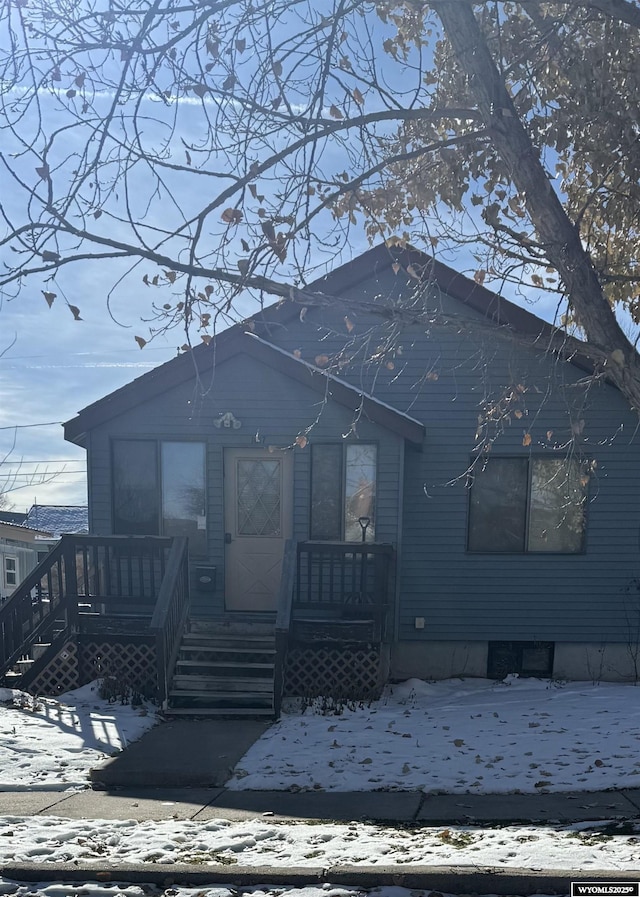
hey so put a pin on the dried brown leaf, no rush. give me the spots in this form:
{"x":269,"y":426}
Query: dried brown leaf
{"x":232,"y":216}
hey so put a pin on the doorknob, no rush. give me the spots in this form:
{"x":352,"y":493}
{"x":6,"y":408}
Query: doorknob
{"x":227,"y":538}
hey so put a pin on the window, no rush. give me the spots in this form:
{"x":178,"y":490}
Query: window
{"x":523,"y":658}
{"x":11,"y":571}
{"x":159,"y":489}
{"x":343,"y":492}
{"x":528,"y":505}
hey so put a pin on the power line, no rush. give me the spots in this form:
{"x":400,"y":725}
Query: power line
{"x":51,"y":423}
{"x":39,"y":473}
{"x":136,"y":351}
{"x":46,"y":461}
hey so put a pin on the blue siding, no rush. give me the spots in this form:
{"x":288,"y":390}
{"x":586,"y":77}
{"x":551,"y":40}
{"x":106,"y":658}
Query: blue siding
{"x":444,"y":373}
{"x":446,"y":367}
{"x":270,"y":407}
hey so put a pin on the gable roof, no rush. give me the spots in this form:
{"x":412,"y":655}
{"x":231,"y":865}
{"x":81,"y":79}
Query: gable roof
{"x":184,"y":367}
{"x":59,"y":519}
{"x":12,"y":530}
{"x":16,"y":517}
{"x":229,"y":344}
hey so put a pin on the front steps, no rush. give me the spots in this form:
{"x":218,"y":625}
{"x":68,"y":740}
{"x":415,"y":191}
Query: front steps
{"x":224,"y":671}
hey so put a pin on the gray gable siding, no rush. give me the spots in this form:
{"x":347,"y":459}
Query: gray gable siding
{"x":471,"y":364}
{"x":270,"y":406}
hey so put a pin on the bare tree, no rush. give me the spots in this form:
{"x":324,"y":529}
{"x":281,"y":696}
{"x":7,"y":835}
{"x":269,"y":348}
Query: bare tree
{"x":215,"y":151}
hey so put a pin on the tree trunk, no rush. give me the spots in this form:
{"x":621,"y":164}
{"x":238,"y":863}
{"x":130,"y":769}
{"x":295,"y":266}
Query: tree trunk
{"x":555,"y":230}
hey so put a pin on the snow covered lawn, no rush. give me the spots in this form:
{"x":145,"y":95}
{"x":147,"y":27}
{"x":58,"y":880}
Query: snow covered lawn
{"x":49,"y":744}
{"x":263,"y":841}
{"x":462,"y":736}
{"x":458,"y":736}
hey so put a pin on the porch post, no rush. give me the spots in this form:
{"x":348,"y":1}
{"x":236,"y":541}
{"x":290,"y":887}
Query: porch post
{"x":70,"y":582}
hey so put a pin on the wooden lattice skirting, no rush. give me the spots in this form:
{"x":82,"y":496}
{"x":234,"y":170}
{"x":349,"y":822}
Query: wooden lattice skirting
{"x":89,"y":658}
{"x":60,"y":675}
{"x":345,"y":672}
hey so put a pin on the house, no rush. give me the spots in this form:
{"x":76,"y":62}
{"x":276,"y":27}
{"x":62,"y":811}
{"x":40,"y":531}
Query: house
{"x":21,"y":548}
{"x":403,"y":481}
{"x":59,"y":519}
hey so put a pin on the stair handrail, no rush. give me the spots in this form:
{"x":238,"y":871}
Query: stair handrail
{"x":18,"y":609}
{"x":170,"y":614}
{"x":283,"y":619}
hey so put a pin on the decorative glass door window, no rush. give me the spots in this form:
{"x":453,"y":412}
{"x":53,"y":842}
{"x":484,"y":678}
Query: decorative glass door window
{"x":258,"y":497}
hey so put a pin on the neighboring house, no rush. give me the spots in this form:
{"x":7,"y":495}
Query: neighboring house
{"x":402,"y":482}
{"x":59,"y":519}
{"x":21,"y":548}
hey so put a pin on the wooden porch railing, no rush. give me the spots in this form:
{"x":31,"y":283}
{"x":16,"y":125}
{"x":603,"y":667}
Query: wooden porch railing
{"x":327,"y":586}
{"x":344,"y":580}
{"x":82,"y":580}
{"x":283,"y":621}
{"x":170,"y":614}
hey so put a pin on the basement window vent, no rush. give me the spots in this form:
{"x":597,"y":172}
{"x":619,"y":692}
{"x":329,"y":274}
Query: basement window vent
{"x":523,"y":658}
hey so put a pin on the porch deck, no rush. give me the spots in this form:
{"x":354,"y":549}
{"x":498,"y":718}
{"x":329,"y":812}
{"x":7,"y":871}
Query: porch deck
{"x":119,"y":606}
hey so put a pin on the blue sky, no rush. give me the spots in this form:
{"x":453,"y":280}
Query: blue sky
{"x":51,"y":366}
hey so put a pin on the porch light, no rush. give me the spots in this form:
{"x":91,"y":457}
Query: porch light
{"x":228,"y":421}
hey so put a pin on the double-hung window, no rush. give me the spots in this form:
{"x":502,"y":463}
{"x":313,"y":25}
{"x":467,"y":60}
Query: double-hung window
{"x":343,"y":491}
{"x":10,"y":572}
{"x":521,"y":505}
{"x":159,"y":489}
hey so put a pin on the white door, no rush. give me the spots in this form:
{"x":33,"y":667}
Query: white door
{"x":258,"y":521}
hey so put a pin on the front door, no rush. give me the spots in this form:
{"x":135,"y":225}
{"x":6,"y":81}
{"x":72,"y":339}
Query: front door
{"x":258,"y":512}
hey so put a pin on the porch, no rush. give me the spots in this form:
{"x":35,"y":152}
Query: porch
{"x":119,"y":606}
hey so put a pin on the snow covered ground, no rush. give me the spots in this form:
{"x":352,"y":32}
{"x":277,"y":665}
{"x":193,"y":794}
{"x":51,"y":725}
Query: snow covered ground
{"x":459,"y":736}
{"x":49,"y":744}
{"x":473,"y":736}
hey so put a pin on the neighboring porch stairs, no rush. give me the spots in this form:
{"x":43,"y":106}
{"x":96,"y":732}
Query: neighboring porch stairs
{"x":224,"y":670}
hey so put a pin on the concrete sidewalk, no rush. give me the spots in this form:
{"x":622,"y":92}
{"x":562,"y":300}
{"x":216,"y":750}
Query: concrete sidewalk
{"x":179,"y":768}
{"x":390,"y":807}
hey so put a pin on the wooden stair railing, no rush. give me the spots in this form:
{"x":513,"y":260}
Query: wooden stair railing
{"x":40,"y":603}
{"x":170,"y":615}
{"x":83,"y":579}
{"x":283,"y":621}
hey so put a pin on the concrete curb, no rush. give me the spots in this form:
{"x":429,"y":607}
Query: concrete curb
{"x":448,"y":879}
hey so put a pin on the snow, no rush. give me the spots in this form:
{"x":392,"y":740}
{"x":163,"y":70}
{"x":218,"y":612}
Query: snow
{"x":471,"y":736}
{"x":458,"y":736}
{"x":50,"y":745}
